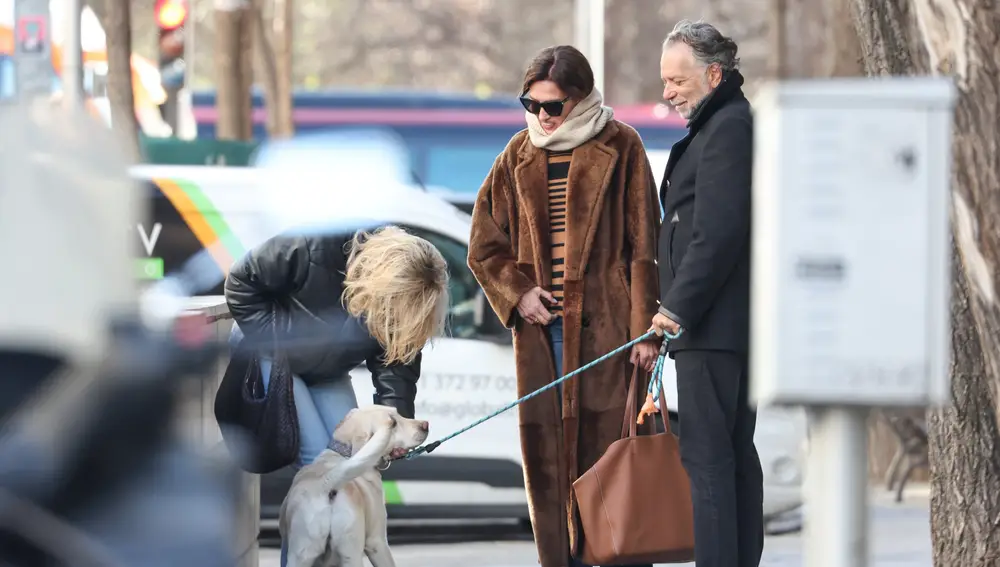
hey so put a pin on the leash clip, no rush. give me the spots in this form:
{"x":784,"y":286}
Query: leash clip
{"x":419,"y":451}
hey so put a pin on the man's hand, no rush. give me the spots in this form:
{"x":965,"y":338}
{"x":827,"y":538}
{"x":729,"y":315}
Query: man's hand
{"x":644,"y":355}
{"x":663,"y":323}
{"x":533,"y":310}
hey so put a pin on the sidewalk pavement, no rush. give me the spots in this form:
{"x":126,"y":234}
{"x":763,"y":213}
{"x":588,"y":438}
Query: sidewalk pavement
{"x":899,"y":534}
{"x":899,"y":537}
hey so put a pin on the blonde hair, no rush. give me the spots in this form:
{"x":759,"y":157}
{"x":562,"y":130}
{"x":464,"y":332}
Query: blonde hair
{"x":397,"y":283}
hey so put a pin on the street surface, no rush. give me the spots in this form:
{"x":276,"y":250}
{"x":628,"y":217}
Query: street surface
{"x":900,"y":537}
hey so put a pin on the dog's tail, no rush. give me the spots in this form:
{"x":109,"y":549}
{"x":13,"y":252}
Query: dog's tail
{"x":365,"y":459}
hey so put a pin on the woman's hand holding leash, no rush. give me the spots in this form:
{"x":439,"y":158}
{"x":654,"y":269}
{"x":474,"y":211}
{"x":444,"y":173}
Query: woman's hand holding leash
{"x":644,"y":355}
{"x":656,"y":381}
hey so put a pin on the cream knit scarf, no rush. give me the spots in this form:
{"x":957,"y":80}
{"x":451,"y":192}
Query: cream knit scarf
{"x":585,"y":121}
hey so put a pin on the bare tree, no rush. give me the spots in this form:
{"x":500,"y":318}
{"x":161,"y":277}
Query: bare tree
{"x":98,"y":7}
{"x":635,"y":32}
{"x":266,"y":66}
{"x":116,"y":18}
{"x":957,"y":38}
{"x":233,"y":65}
{"x":274,"y":60}
{"x":813,"y":40}
{"x":282,"y":22}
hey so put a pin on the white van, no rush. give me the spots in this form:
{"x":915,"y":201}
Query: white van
{"x":466,"y":374}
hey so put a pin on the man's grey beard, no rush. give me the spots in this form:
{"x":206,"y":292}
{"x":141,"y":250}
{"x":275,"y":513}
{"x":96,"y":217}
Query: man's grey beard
{"x":697,"y":106}
{"x":701,"y":102}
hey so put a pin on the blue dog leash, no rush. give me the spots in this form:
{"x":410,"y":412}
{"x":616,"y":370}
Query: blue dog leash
{"x":656,"y":381}
{"x":424,"y":449}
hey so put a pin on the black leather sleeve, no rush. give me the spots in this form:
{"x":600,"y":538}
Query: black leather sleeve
{"x":396,"y":385}
{"x":272,"y":270}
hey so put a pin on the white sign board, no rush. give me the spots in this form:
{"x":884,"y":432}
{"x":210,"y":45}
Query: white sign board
{"x":33,"y":48}
{"x":851,"y":255}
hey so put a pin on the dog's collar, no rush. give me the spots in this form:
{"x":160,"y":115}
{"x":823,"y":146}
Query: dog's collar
{"x":345,"y":450}
{"x":342,"y":449}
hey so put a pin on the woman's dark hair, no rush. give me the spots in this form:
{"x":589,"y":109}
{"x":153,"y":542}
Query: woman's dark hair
{"x":565,"y":66}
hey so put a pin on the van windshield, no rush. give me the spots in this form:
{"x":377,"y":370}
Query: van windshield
{"x":460,"y":167}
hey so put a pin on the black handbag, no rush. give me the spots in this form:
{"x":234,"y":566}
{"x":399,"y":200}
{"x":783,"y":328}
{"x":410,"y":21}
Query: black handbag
{"x":260,"y":428}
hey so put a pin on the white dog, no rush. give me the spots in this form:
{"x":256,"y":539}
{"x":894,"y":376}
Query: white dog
{"x":334,"y":513}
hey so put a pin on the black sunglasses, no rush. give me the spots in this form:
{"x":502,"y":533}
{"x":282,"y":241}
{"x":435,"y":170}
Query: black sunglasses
{"x":551,"y":107}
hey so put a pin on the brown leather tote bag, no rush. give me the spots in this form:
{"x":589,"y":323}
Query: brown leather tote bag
{"x":635,"y":502}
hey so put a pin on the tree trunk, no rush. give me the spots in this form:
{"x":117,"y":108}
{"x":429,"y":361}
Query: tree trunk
{"x":246,"y":71}
{"x":813,"y":40}
{"x":99,"y":9}
{"x":958,"y":38}
{"x":965,"y":452}
{"x":267,"y":67}
{"x":276,"y":66}
{"x":284,"y":12}
{"x":117,"y":25}
{"x":233,"y":27}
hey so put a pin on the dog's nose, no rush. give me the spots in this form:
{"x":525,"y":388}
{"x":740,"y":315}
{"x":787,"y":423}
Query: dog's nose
{"x":424,"y":426}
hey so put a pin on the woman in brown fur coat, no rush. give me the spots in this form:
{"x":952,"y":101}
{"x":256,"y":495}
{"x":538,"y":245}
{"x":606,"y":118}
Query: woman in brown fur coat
{"x":563,"y":243}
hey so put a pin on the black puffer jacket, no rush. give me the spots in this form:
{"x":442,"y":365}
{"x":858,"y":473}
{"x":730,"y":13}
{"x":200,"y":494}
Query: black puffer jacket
{"x":289,"y":289}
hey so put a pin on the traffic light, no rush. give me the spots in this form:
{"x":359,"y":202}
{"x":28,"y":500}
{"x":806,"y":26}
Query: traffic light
{"x":171,"y":18}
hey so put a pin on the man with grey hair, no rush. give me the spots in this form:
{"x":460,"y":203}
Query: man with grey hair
{"x":704,"y":269}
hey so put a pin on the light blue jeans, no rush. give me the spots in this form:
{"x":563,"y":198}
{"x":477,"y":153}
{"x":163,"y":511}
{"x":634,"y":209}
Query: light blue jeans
{"x":319,"y":407}
{"x":555,"y":331}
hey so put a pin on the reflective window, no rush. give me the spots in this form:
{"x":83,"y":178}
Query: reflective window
{"x":460,"y":168}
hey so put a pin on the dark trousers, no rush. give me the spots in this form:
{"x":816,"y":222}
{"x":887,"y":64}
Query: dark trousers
{"x":555,"y":332}
{"x":717,"y":449}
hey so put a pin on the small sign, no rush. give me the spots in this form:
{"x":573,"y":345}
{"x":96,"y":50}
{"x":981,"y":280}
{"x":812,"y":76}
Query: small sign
{"x":31,"y":35}
{"x":149,"y":268}
{"x":33,"y":49}
{"x":851,"y":254}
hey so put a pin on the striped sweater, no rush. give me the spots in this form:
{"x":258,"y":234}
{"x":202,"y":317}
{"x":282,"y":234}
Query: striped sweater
{"x":558,"y":173}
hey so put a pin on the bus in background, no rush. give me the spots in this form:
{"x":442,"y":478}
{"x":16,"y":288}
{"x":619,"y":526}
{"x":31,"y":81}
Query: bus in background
{"x":452,"y":139}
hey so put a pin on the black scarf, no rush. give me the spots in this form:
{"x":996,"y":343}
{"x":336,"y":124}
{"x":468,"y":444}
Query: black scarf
{"x":728,"y":89}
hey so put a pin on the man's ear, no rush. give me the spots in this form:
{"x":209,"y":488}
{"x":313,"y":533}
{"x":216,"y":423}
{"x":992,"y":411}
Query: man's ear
{"x":714,"y":75}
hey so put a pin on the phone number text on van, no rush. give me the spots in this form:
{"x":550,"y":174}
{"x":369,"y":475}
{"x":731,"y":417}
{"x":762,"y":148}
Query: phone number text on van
{"x":470,"y":383}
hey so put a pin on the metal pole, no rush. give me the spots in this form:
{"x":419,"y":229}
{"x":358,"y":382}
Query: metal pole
{"x":595,"y":53}
{"x":72,"y":61}
{"x":581,"y":25}
{"x":836,"y":522}
{"x":189,"y":44}
{"x":588,"y":35}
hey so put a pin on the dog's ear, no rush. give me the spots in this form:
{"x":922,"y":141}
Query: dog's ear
{"x":349,"y":428}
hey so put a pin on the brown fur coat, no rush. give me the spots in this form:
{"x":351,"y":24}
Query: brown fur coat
{"x":610,"y":297}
